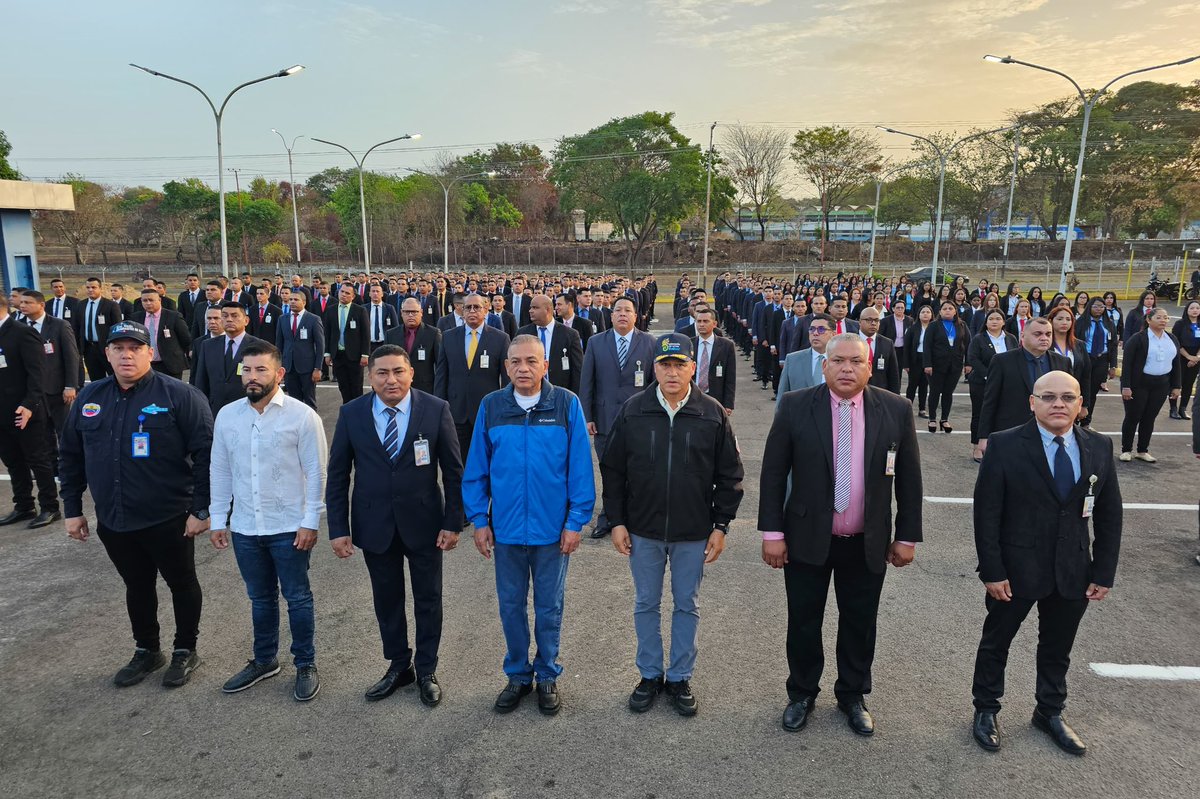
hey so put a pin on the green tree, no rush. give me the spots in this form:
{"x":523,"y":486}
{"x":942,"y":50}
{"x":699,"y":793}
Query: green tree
{"x":6,"y":170}
{"x":140,"y":208}
{"x":189,"y":208}
{"x":94,"y":218}
{"x":836,"y":161}
{"x":276,"y":252}
{"x":639,"y":172}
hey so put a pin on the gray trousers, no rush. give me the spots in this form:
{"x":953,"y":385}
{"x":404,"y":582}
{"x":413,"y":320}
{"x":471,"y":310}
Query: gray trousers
{"x":648,"y":560}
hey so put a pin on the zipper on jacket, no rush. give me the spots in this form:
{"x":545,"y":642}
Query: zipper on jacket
{"x":670,"y":450}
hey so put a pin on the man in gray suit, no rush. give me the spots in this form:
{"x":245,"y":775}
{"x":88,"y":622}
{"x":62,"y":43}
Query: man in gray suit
{"x":802,"y":369}
{"x":608,"y":380}
{"x":60,"y":370}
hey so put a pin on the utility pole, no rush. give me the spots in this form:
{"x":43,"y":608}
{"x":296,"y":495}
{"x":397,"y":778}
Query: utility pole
{"x":237,"y":185}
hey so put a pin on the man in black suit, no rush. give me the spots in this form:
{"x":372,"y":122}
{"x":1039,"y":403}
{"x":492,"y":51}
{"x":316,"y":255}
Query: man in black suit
{"x":396,"y":440}
{"x":23,"y":421}
{"x":851,"y":446}
{"x":1037,"y":488}
{"x":212,"y":329}
{"x":470,"y":365}
{"x":818,"y":306}
{"x":61,"y":306}
{"x":346,"y":343}
{"x":429,"y":305}
{"x":218,"y":372}
{"x":454,"y":317}
{"x":589,"y":311}
{"x":885,"y":367}
{"x":60,"y":369}
{"x":161,"y":288}
{"x":518,"y":302}
{"x":264,"y":316}
{"x":500,"y":318}
{"x":564,"y":308}
{"x":420,"y":341}
{"x":189,"y":298}
{"x":381,"y":317}
{"x":97,"y":314}
{"x":718,"y":356}
{"x":1011,"y":377}
{"x":168,"y":332}
{"x":297,"y":285}
{"x":564,"y":352}
{"x":117,"y":292}
{"x":300,"y":339}
{"x":212,"y":299}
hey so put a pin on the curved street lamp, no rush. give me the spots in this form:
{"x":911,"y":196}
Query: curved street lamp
{"x":218,"y":115}
{"x":446,"y":207}
{"x":362,"y":197}
{"x":879,"y":181}
{"x":1088,"y":104}
{"x":292,"y":183}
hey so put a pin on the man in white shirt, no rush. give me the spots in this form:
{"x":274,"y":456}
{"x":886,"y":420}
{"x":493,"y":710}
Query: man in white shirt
{"x":268,"y":463}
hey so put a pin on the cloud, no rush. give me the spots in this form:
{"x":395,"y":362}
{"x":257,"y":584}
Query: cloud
{"x":581,"y":7}
{"x":700,"y":13}
{"x":361,"y":22}
{"x":525,"y":62}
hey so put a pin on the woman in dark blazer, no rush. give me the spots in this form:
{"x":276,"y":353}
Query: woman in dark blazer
{"x":984,"y":346}
{"x":944,"y":357}
{"x":990,"y":300}
{"x":1114,"y":312}
{"x":1187,"y":333}
{"x":1015,"y":323}
{"x":1062,"y":326}
{"x":1149,"y":372}
{"x":1037,"y":304}
{"x":1135,"y":320}
{"x":915,"y":338}
{"x":1098,"y":336}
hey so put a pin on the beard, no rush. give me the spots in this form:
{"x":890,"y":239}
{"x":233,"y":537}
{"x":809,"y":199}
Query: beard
{"x":255,"y":392}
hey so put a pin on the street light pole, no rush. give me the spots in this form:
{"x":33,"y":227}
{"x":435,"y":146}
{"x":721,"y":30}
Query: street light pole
{"x":1088,"y":104}
{"x":707,"y":208}
{"x":446,"y":207}
{"x":292,"y":183}
{"x":943,"y":159}
{"x":362,"y":197}
{"x":218,"y":115}
{"x":1012,"y":190}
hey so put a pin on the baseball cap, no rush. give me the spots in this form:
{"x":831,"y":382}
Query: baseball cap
{"x":131,"y":330}
{"x":673,"y":345}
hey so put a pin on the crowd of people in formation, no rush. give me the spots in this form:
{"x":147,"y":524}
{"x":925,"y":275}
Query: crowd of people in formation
{"x":489,"y":394}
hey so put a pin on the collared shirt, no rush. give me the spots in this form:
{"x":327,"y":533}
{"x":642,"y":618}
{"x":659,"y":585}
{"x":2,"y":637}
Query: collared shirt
{"x":270,"y":465}
{"x":380,"y":416}
{"x":852,"y":520}
{"x":1160,"y":354}
{"x":546,"y":336}
{"x":818,"y":362}
{"x":36,"y":324}
{"x":1069,"y":443}
{"x":667,"y":406}
{"x":467,"y":340}
{"x":378,"y":322}
{"x":1037,"y":367}
{"x":899,"y":323}
{"x":999,"y":343}
{"x":152,"y":322}
{"x":237,"y":342}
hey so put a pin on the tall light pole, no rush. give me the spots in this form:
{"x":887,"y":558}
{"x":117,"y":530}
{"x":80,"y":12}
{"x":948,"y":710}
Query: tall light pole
{"x":879,"y":181}
{"x":707,"y":207}
{"x":218,"y":115}
{"x":446,"y":207}
{"x":1088,"y":104}
{"x":362,"y":197}
{"x":1012,"y":190}
{"x":943,"y":159}
{"x":292,"y":183}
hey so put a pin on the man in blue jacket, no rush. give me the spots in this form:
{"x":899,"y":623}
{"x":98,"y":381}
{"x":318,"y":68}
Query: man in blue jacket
{"x":528,"y":488}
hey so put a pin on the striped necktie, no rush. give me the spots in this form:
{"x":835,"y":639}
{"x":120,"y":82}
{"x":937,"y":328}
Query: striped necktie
{"x":622,"y":351}
{"x":841,"y":483}
{"x":391,"y":434}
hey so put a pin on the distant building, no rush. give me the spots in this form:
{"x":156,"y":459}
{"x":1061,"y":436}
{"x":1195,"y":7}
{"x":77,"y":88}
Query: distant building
{"x":18,"y":199}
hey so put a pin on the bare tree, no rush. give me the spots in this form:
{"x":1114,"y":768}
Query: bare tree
{"x":755,"y":160}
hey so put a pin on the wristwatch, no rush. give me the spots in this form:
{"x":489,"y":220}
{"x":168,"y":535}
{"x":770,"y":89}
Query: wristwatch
{"x":202,"y":515}
{"x":724,"y":528}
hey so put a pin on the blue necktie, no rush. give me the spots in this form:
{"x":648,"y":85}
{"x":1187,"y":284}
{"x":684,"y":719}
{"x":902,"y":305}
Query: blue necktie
{"x":1064,"y":475}
{"x":391,"y":434}
{"x":622,"y":352}
{"x":1097,"y":338}
{"x":542,"y":333}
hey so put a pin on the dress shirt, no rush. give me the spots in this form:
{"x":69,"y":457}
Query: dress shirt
{"x":270,"y":465}
{"x":999,"y":343}
{"x":381,"y":418}
{"x":818,"y":362}
{"x":57,"y":306}
{"x":921,"y":338}
{"x":90,"y":314}
{"x":851,"y":520}
{"x":667,"y":406}
{"x":36,"y":324}
{"x":1160,"y":354}
{"x":899,"y":323}
{"x":549,"y":336}
{"x":467,"y":340}
{"x":1037,"y":367}
{"x":1069,"y":443}
{"x":237,"y":343}
{"x":377,"y":323}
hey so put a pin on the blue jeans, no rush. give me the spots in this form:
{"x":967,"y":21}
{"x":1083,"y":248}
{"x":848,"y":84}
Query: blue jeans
{"x":648,"y":562}
{"x":270,"y":565}
{"x":516,"y":565}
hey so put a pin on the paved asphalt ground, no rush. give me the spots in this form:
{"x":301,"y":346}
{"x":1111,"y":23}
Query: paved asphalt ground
{"x":66,"y":731}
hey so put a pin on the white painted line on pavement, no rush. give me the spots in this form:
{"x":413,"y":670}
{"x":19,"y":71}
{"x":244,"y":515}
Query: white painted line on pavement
{"x":922,"y":428}
{"x":1137,"y":671}
{"x":4,"y":477}
{"x":1127,"y":505}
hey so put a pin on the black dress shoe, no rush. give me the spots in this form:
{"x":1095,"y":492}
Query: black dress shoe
{"x":431,"y":692}
{"x":17,"y":516}
{"x":642,"y":698}
{"x":251,"y":675}
{"x":1060,"y":733}
{"x":511,"y":696}
{"x":795,"y":716}
{"x":858,"y":717}
{"x":308,"y":682}
{"x":1183,"y":415}
{"x":681,"y":697}
{"x":1174,"y":414}
{"x":45,"y":518}
{"x":600,"y":532}
{"x":395,"y":678}
{"x":548,"y":701}
{"x":986,"y":730}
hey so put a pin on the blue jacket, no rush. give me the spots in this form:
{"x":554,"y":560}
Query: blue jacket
{"x":529,"y":475}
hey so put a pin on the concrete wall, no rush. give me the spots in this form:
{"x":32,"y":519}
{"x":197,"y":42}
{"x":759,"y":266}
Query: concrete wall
{"x":18,"y":259}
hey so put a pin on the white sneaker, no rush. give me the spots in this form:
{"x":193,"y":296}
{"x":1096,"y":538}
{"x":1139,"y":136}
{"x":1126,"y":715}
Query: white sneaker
{"x":1126,"y":457}
{"x":1147,"y":457}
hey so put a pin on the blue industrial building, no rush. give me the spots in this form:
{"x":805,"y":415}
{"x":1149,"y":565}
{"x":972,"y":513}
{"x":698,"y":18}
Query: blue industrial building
{"x":18,"y":200}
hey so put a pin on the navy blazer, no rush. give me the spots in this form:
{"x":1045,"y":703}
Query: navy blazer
{"x":603,"y":385}
{"x":397,"y":498}
{"x":301,"y":355}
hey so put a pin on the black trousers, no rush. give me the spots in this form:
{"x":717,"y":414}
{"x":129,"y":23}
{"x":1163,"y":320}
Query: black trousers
{"x":976,"y":391}
{"x":1141,"y":411}
{"x":1187,"y":386}
{"x":941,"y":390}
{"x":57,"y":410}
{"x":349,"y":377}
{"x":25,"y":455}
{"x":140,"y":556}
{"x":857,"y":590}
{"x":387,"y":587}
{"x":762,"y":363}
{"x":94,"y":359}
{"x":1098,"y":375}
{"x":300,"y":385}
{"x":1058,"y":621}
{"x":918,"y":385}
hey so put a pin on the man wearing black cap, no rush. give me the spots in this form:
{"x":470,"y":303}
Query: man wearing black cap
{"x":672,"y":484}
{"x":139,"y":441}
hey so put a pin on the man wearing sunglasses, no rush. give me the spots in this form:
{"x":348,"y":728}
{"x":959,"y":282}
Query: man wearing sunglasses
{"x":802,"y":369}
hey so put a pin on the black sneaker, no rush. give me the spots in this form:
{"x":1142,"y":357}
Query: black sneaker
{"x":144,"y":662}
{"x":307,"y":683}
{"x":548,"y":701}
{"x":682,"y":697}
{"x":253,"y":674}
{"x":642,"y":698}
{"x":511,"y":696}
{"x":183,"y":663}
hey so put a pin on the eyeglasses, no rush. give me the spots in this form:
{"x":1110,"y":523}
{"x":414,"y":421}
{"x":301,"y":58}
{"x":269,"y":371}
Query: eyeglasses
{"x":1050,"y":399}
{"x":818,"y":330}
{"x":411,"y":311}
